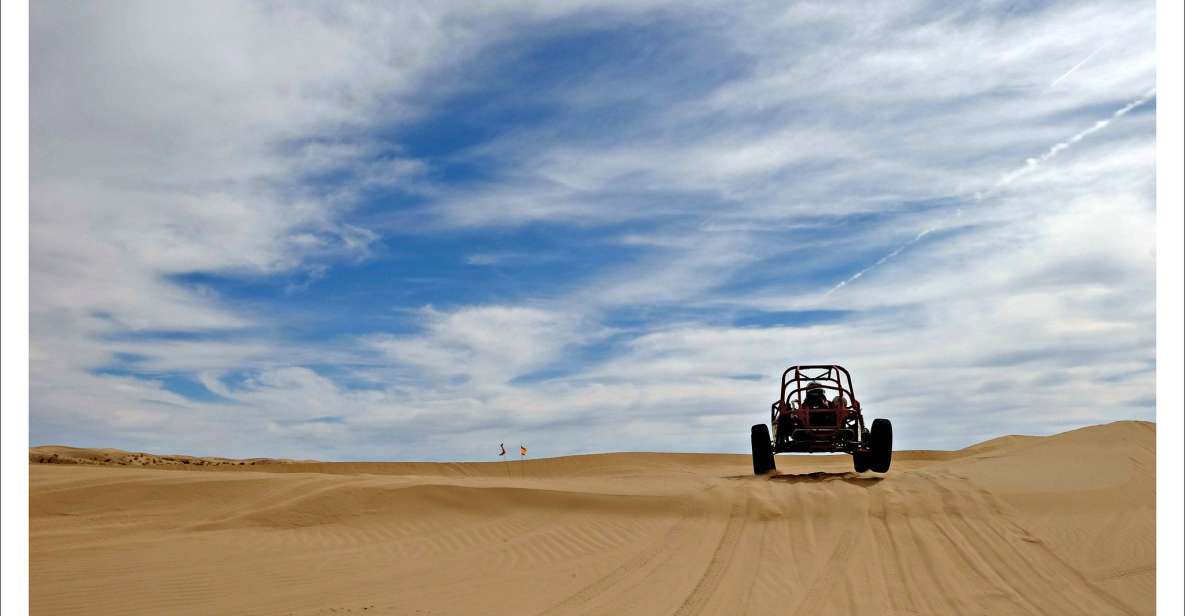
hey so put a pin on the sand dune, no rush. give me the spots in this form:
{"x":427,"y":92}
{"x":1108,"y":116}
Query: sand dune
{"x":1019,"y":525}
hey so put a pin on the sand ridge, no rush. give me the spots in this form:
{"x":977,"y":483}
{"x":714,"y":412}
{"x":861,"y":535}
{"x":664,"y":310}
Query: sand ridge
{"x":1063,"y":524}
{"x":61,"y":454}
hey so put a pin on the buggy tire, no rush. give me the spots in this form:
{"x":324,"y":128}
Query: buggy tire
{"x":882,"y":446}
{"x":860,"y":462}
{"x":763,"y":452}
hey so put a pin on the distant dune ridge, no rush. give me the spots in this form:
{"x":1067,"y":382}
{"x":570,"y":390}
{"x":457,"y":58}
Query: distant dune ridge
{"x":1063,"y":524}
{"x":60,"y":454}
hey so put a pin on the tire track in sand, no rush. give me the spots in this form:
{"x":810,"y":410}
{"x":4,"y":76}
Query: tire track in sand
{"x":721,"y":559}
{"x":812,"y":600}
{"x":622,"y":573}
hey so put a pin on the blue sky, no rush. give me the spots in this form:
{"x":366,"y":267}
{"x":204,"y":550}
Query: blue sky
{"x":415,"y":231}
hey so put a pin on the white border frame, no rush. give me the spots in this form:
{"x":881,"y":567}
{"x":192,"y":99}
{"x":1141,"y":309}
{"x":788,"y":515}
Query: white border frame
{"x":14,"y":312}
{"x":1170,"y":312}
{"x":1170,"y":309}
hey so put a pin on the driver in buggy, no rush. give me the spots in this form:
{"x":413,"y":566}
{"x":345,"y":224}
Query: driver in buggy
{"x":816,"y":397}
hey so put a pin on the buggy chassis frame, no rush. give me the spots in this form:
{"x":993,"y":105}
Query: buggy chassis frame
{"x":830,"y":377}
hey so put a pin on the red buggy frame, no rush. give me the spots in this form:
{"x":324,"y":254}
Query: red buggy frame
{"x":831,"y":423}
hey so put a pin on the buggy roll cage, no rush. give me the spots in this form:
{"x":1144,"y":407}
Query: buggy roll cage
{"x":830,"y":377}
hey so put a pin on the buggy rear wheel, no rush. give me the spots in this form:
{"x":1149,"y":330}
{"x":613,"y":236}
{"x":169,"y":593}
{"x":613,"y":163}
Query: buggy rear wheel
{"x":763,"y":452}
{"x":882,"y":446}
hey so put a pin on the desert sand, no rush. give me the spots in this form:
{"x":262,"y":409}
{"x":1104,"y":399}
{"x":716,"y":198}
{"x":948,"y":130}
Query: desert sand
{"x":1063,"y":524}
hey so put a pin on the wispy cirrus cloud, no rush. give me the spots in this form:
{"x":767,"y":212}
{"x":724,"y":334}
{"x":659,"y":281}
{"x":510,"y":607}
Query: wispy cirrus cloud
{"x":371,"y":231}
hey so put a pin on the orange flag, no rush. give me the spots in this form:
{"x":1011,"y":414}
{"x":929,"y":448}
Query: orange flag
{"x":522,"y":451}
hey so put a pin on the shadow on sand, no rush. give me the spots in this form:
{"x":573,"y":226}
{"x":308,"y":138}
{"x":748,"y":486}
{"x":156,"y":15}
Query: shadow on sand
{"x":819,"y":476}
{"x":858,"y":479}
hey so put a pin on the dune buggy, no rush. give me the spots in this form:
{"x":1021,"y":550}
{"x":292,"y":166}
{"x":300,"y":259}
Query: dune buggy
{"x":817,"y":412}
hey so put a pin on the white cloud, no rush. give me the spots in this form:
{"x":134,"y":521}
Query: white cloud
{"x":490,"y":345}
{"x":170,"y":138}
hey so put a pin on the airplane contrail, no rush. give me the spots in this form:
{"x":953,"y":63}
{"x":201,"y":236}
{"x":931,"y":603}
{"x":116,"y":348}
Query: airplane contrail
{"x":917,"y":238}
{"x":1033,"y":163}
{"x":1075,"y":67}
{"x":1007,"y":178}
